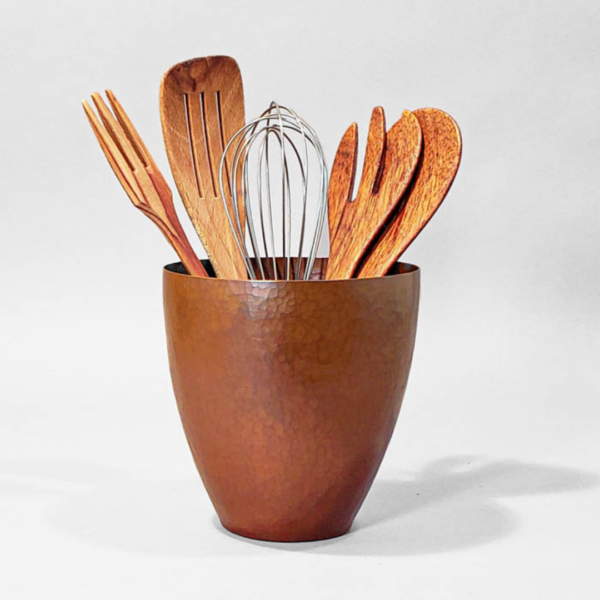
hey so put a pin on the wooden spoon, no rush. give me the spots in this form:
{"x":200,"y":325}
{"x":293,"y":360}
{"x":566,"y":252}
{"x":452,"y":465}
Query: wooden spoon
{"x":201,"y":107}
{"x":138,"y":174}
{"x":390,"y":161}
{"x":442,"y":147}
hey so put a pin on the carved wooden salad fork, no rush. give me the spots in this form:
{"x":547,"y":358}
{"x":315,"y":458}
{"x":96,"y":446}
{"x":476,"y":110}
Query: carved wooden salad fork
{"x":138,"y":174}
{"x":406,"y":176}
{"x":390,"y":161}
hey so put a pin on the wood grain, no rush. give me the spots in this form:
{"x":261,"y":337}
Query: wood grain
{"x":201,"y":107}
{"x":341,"y":178}
{"x":390,"y":161}
{"x":138,"y":174}
{"x":442,"y":147}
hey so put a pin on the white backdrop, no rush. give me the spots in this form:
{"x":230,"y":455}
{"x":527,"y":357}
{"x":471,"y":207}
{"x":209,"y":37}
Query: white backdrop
{"x":490,"y":485}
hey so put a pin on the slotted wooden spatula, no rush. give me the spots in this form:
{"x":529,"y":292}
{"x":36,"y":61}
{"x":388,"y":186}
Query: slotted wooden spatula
{"x":390,"y":161}
{"x":201,"y":107}
{"x":442,"y":147}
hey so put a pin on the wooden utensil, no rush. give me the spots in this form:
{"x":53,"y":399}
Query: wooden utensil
{"x":341,"y":179}
{"x":390,"y":161}
{"x":201,"y":107}
{"x":138,"y":174}
{"x":442,"y":147}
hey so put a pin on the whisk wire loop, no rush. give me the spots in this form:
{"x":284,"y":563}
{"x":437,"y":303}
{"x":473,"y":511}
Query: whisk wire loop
{"x":292,"y":141}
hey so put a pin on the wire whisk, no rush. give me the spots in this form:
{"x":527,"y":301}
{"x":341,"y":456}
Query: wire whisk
{"x":282,"y":147}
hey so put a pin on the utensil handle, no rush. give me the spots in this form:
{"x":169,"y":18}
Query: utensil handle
{"x":180,"y":241}
{"x":181,"y":245}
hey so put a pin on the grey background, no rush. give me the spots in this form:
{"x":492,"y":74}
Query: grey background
{"x":501,"y":412}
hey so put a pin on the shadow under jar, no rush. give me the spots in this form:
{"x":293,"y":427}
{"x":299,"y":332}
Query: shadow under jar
{"x":289,"y":392}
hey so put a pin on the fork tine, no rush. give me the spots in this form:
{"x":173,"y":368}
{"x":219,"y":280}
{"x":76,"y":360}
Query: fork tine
{"x":159,"y":182}
{"x":403,"y":139}
{"x":114,"y":128}
{"x":129,"y":130}
{"x":135,"y":139}
{"x":116,"y":160}
{"x":374,"y":154}
{"x":341,"y":179}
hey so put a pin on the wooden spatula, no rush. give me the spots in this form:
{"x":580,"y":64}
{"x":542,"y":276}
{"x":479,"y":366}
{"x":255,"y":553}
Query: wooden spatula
{"x":138,"y":174}
{"x":442,"y":147}
{"x":201,"y":107}
{"x":390,"y":161}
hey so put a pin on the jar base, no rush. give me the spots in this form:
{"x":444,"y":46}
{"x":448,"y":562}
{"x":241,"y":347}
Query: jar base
{"x":264,"y":535}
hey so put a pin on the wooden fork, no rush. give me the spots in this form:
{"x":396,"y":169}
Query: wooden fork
{"x":442,"y":148}
{"x":390,"y":161}
{"x":138,"y":174}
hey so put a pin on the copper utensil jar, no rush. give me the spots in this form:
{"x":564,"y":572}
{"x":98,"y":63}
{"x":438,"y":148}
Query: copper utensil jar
{"x":289,"y":392}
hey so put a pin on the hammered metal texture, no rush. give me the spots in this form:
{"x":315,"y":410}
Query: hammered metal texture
{"x":289,"y":392}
